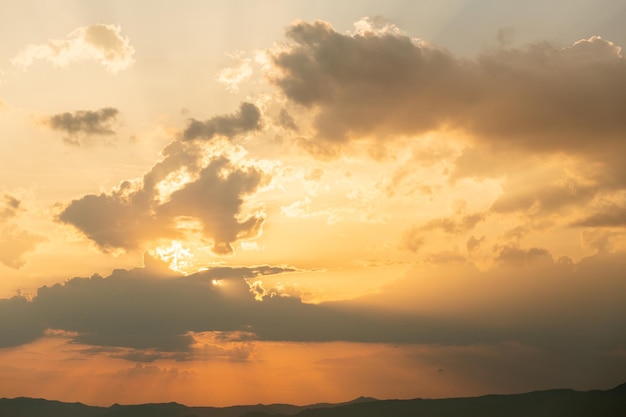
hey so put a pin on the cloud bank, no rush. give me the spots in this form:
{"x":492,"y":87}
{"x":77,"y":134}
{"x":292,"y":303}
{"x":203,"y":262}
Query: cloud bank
{"x":528,"y":299}
{"x":380,"y":84}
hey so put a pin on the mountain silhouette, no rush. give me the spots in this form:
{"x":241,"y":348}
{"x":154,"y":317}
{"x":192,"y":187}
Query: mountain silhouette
{"x":550,"y":403}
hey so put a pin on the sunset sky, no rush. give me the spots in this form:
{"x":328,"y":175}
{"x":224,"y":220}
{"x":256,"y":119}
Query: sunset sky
{"x":229,"y":202}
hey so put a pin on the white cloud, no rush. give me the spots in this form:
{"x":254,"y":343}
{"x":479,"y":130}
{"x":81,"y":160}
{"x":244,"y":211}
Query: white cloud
{"x":101,"y":43}
{"x":232,"y":77}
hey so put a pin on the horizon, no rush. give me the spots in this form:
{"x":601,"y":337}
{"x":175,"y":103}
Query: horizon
{"x":275,"y":201}
{"x":352,"y":401}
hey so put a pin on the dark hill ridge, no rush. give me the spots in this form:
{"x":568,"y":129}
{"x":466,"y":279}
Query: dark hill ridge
{"x":551,"y":403}
{"x":36,"y":407}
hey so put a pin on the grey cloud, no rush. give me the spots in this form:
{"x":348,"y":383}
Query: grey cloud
{"x":527,"y":298}
{"x":540,"y":98}
{"x":216,"y":201}
{"x":138,"y":213}
{"x":126,"y":219}
{"x":79,"y":125}
{"x":544,"y":304}
{"x":19,"y":323}
{"x":246,"y":120}
{"x":518,"y":105}
{"x":131,"y":309}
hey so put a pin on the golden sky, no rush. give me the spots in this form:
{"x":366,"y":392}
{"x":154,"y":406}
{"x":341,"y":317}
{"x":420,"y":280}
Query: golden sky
{"x":238,"y":202}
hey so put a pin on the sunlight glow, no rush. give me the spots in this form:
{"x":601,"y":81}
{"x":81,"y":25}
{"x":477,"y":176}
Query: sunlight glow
{"x":171,"y":183}
{"x":176,"y":256}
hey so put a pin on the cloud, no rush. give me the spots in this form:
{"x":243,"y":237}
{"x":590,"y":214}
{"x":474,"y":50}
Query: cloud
{"x":377,"y":85}
{"x":19,"y":323}
{"x":514,"y":256}
{"x":232,"y":77}
{"x":101,"y":43}
{"x":131,"y":309}
{"x":198,"y":190}
{"x":544,"y":304}
{"x":613,"y":215}
{"x":80,"y":125}
{"x":527,"y":298}
{"x":247,"y":120}
{"x":474,"y":243}
{"x":11,"y":207}
{"x":414,"y":238}
{"x":14,"y":241}
{"x":132,"y":215}
{"x":601,"y":239}
{"x":544,"y":198}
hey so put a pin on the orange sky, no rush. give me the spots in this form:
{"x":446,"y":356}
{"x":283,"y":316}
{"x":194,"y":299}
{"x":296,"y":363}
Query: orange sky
{"x":275,"y":201}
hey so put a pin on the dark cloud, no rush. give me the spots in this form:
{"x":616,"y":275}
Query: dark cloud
{"x":544,"y":303}
{"x":541,"y":98}
{"x":137,"y":213}
{"x":80,"y":125}
{"x":19,"y":323}
{"x":132,"y":309}
{"x":246,"y":120}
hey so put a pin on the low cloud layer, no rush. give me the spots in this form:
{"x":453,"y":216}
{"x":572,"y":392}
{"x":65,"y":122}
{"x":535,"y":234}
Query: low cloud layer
{"x":528,"y":298}
{"x":100,"y":43}
{"x":80,"y":125}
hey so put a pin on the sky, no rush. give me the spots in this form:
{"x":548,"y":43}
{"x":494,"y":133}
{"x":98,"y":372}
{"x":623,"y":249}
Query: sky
{"x":240,"y":202}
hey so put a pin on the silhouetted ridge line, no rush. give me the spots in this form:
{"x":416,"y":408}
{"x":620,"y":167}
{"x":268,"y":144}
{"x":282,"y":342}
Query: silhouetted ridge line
{"x":551,"y":403}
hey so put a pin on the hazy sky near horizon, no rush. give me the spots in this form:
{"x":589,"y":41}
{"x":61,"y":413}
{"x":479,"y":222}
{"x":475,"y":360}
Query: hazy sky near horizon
{"x":218,"y":202}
